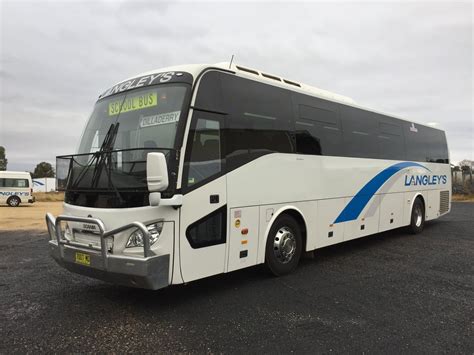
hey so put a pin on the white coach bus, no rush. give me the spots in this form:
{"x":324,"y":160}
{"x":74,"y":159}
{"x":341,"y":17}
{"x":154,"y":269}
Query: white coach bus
{"x":191,"y":171}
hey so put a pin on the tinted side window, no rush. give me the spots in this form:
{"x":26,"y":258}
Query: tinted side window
{"x":317,"y":127}
{"x":437,"y":146}
{"x":425,"y":143}
{"x":5,"y":182}
{"x":260,"y":120}
{"x":209,"y":230}
{"x":205,"y":149}
{"x":360,"y":133}
{"x":209,"y":95}
{"x":391,"y":143}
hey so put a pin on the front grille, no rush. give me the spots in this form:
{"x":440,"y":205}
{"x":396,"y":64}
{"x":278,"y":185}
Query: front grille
{"x":443,"y":202}
{"x":92,"y":239}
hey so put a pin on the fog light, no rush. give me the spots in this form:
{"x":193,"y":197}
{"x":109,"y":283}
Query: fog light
{"x":136,"y":238}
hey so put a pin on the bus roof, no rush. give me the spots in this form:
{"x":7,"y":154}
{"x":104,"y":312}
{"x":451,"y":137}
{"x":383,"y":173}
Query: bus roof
{"x":14,"y":173}
{"x":275,"y":80}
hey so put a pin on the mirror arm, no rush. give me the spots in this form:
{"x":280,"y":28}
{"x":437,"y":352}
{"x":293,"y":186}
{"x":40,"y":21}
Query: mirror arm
{"x":154,"y":198}
{"x":175,"y":201}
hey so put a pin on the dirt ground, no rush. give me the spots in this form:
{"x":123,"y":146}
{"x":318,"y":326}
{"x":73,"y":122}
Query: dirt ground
{"x":28,"y":216}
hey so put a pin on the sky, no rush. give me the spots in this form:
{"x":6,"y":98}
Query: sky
{"x":410,"y":59}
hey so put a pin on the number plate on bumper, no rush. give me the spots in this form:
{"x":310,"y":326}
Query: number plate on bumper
{"x":83,"y":259}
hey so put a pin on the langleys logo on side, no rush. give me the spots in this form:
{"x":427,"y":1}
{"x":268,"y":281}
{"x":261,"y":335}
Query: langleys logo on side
{"x":415,"y":180}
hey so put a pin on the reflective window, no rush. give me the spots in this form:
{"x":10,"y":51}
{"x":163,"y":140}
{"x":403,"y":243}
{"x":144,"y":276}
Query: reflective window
{"x":260,"y":120}
{"x":209,"y":230}
{"x":360,"y":133}
{"x":14,"y":183}
{"x":425,"y":143}
{"x":317,"y":128}
{"x":148,"y":118}
{"x":205,"y":153}
{"x":390,"y":139}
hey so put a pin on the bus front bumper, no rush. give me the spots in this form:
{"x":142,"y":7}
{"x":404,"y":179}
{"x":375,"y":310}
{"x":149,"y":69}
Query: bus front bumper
{"x":149,"y":272}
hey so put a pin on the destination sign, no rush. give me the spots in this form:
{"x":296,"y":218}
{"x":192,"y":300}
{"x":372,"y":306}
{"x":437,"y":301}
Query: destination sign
{"x":162,"y":118}
{"x":133,"y":103}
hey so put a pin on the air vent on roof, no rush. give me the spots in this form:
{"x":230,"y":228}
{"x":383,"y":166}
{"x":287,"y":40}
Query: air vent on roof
{"x":292,"y":83}
{"x":271,"y":77}
{"x":247,"y":70}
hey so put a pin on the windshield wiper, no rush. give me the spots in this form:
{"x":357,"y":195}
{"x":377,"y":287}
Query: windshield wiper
{"x":103,"y":155}
{"x":100,"y":159}
{"x":104,"y":160}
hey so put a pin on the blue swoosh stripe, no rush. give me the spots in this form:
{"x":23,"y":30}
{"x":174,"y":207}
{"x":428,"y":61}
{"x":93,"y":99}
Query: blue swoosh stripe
{"x":360,"y":200}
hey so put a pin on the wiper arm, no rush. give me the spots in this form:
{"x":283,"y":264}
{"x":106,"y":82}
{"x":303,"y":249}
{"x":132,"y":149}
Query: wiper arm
{"x":104,"y":159}
{"x":103,"y":154}
{"x":98,"y":158}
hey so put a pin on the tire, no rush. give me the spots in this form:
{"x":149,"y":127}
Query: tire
{"x":417,"y":221}
{"x":14,"y":201}
{"x":284,"y":246}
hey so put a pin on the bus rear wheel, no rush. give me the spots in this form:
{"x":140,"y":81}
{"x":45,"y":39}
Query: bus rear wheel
{"x":417,"y":221}
{"x":284,"y":246}
{"x":14,"y":201}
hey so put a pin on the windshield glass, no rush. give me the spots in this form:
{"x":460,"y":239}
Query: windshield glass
{"x":148,"y":119}
{"x":109,"y":170}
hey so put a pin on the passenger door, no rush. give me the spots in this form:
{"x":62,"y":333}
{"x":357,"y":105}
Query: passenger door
{"x":203,"y":215}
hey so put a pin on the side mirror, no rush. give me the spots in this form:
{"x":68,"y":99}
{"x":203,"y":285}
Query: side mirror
{"x":156,"y":172}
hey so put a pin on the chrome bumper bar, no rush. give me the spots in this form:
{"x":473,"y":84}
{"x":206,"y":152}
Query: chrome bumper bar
{"x":150,"y":271}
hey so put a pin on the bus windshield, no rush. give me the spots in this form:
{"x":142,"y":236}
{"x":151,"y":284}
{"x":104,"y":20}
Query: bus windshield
{"x":148,"y":118}
{"x":109,"y":169}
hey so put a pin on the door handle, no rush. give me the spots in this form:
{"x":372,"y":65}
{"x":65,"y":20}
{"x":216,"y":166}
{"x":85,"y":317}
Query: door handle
{"x":214,"y":199}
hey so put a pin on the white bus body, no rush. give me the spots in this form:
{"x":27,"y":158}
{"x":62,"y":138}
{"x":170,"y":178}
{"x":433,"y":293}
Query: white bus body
{"x":261,"y":170}
{"x":15,"y":187}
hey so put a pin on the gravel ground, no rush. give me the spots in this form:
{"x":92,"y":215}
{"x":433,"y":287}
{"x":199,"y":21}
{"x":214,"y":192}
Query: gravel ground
{"x":392,"y":292}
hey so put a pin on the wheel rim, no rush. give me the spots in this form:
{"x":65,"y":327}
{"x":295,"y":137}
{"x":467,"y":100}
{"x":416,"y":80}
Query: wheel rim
{"x":284,"y":245}
{"x":418,"y":216}
{"x":14,"y":202}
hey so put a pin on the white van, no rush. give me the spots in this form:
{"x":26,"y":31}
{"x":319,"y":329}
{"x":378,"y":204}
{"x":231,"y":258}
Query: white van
{"x":16,"y":187}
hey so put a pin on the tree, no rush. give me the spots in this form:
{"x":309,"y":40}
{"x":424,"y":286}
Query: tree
{"x":3,"y":159}
{"x":466,"y":165}
{"x":43,"y":170}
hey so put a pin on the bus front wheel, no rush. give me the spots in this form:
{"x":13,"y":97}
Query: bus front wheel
{"x":284,"y":246}
{"x":417,"y":221}
{"x":14,"y":201}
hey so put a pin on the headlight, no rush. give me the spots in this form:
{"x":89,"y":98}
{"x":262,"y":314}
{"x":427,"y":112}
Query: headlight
{"x":136,"y":238}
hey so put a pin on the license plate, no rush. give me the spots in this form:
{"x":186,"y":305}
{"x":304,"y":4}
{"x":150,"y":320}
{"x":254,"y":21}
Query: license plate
{"x":83,"y":259}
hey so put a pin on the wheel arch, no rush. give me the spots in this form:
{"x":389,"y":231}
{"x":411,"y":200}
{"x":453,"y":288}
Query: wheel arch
{"x":295,"y":213}
{"x":421,"y":197}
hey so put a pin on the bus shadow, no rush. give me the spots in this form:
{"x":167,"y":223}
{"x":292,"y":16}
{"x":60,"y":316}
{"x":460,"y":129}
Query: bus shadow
{"x":220,"y":285}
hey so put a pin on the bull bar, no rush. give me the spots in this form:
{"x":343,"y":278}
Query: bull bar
{"x":150,"y":271}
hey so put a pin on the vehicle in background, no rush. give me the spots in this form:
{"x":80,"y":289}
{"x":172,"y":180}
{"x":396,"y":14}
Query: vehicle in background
{"x":191,"y":171}
{"x":16,"y":187}
{"x":44,"y":185}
